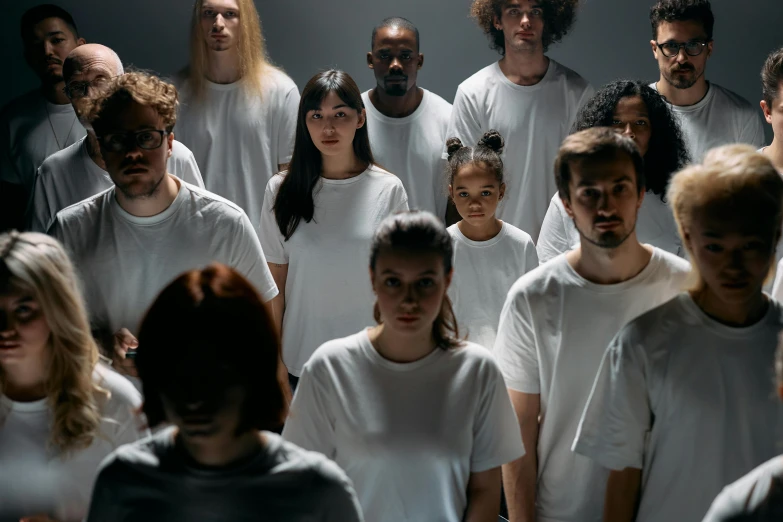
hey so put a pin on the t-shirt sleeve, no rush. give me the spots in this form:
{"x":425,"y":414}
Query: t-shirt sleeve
{"x":40,"y":213}
{"x":531,"y":257}
{"x":777,"y":287}
{"x":465,"y":122}
{"x":617,"y":418}
{"x":342,"y":505}
{"x":309,"y":423}
{"x":272,"y":241}
{"x":753,"y":131}
{"x":440,"y":188}
{"x":187,"y":170}
{"x":515,"y":345}
{"x":553,"y":239}
{"x":496,"y":435}
{"x":288,"y":110}
{"x":248,"y":258}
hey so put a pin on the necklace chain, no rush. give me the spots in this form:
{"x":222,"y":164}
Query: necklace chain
{"x":51,"y":125}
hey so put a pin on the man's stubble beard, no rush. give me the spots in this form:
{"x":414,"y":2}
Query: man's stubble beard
{"x":684,"y":83}
{"x":608,"y":244}
{"x":150,"y":190}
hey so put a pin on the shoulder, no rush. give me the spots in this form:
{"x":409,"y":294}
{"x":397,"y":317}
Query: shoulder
{"x":142,"y":455}
{"x":123,"y":396}
{"x":569,"y":75}
{"x":671,"y":263}
{"x":61,"y":160}
{"x":453,"y":231}
{"x":477,"y":82}
{"x":276,"y":80}
{"x":437,"y":104}
{"x":517,"y":235}
{"x":542,"y":280}
{"x":86,"y":210}
{"x":335,"y":350}
{"x":273,"y":185}
{"x":383,"y":177}
{"x":290,"y":458}
{"x":731,"y":100}
{"x":179,"y":150}
{"x":20,"y":106}
{"x":759,"y":491}
{"x":652,"y":328}
{"x":209,"y":202}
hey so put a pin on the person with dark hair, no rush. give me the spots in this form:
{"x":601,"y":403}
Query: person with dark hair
{"x":710,"y":115}
{"x":637,"y":111}
{"x":419,"y":419}
{"x":217,"y":384}
{"x":684,"y":402}
{"x":407,"y":124}
{"x":318,"y":218}
{"x":42,"y":121}
{"x":772,"y":105}
{"x":558,"y":319}
{"x":130,"y":240}
{"x":526,"y":96}
{"x":489,"y":254}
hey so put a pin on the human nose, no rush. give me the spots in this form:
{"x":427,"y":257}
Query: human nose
{"x":219,"y":23}
{"x":48,"y":48}
{"x":396,"y":65}
{"x":628,"y":131}
{"x":682,"y":56}
{"x":525,"y":19}
{"x":7,"y":327}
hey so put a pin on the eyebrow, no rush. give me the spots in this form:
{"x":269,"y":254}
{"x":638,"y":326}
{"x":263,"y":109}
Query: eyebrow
{"x":390,"y":271}
{"x":589,"y":182}
{"x":484,"y":186}
{"x":24,"y":299}
{"x":53,"y":33}
{"x":342,"y":105}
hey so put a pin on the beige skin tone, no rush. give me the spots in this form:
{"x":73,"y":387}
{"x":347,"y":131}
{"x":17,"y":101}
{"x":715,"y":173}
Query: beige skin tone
{"x":410,"y":287}
{"x":522,"y":24}
{"x":599,"y":191}
{"x":476,"y":193}
{"x":51,"y":42}
{"x":773,"y":113}
{"x":682,"y":69}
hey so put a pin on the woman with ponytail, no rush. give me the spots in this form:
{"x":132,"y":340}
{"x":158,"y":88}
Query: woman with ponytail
{"x":489,"y":255}
{"x":419,"y":420}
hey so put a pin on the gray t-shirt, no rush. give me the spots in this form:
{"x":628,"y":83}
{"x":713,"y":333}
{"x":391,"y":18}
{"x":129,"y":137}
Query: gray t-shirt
{"x":150,"y":481}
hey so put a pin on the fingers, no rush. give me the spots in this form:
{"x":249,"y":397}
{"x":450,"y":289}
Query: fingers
{"x":124,"y":341}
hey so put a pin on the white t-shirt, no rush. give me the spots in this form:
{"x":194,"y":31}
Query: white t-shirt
{"x":70,"y":175}
{"x":533,"y":121}
{"x":125,"y":261}
{"x":35,"y":478}
{"x":720,"y":118}
{"x":655,"y":225}
{"x":328,"y":292}
{"x":777,"y":287}
{"x":28,"y":126}
{"x":689,"y":401}
{"x":554,"y":330}
{"x":408,"y":434}
{"x":152,"y":481}
{"x":756,"y":497}
{"x":412,"y":147}
{"x":240,"y":141}
{"x":483,"y":274}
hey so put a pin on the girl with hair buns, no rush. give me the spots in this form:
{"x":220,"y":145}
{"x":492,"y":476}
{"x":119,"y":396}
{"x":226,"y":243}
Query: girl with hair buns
{"x":61,"y":411}
{"x":419,"y":420}
{"x":489,"y":254}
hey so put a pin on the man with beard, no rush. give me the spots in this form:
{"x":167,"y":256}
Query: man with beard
{"x":133,"y":239}
{"x":42,"y":121}
{"x":559,"y":318}
{"x":709,"y":114}
{"x":403,"y":117}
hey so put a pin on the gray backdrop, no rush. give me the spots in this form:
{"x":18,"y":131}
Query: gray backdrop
{"x":610,"y":39}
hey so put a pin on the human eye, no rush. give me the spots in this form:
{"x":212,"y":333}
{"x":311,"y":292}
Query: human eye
{"x":57,"y":40}
{"x":486,"y":193}
{"x":392,"y":282}
{"x":340,"y":114}
{"x":315,"y":115}
{"x":513,"y":12}
{"x":713,"y":247}
{"x":616,"y":123}
{"x":426,"y":282}
{"x":208,"y":13}
{"x":642,"y":123}
{"x":146,"y":137}
{"x":537,"y":12}
{"x":231,"y":14}
{"x":755,"y":245}
{"x":406,"y":56}
{"x":620,"y":188}
{"x":462,"y":194}
{"x":590,"y":193}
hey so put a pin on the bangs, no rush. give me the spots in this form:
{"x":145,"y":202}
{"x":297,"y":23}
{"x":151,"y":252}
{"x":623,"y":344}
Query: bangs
{"x":320,"y":90}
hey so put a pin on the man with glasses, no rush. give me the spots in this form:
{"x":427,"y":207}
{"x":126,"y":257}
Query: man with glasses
{"x":709,"y":114}
{"x":131,"y":240}
{"x":78,"y":171}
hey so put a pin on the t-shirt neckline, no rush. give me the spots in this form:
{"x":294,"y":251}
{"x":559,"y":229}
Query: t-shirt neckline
{"x":376,"y":358}
{"x":150,"y":220}
{"x":526,"y":88}
{"x":725,"y":330}
{"x":222,"y":86}
{"x":38,"y":406}
{"x":398,"y":121}
{"x":346,"y":181}
{"x":690,"y":108}
{"x":651,"y":266}
{"x":481,"y":244}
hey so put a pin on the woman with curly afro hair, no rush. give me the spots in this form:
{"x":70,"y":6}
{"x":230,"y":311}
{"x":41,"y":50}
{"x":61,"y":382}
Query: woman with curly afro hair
{"x":639,"y":112}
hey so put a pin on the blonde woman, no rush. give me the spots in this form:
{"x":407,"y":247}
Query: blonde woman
{"x":685,"y":400}
{"x":61,"y":411}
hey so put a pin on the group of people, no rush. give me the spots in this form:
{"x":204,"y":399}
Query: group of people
{"x":216,"y":303}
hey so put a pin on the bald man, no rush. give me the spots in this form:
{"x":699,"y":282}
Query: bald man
{"x":78,"y":172}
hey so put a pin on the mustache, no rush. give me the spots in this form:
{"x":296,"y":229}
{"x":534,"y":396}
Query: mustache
{"x":612,"y":219}
{"x":54,"y":60}
{"x":133,"y":163}
{"x":396,"y":77}
{"x":685,"y":67}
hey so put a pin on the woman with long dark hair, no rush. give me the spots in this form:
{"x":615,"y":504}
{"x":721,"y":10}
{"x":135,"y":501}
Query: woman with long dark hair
{"x":318,"y":219}
{"x":639,"y":112}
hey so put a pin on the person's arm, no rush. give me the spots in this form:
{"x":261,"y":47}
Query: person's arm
{"x":622,"y":495}
{"x":553,"y":239}
{"x":520,"y":476}
{"x":483,"y":496}
{"x":39,"y":216}
{"x":280,"y":275}
{"x":283,"y":166}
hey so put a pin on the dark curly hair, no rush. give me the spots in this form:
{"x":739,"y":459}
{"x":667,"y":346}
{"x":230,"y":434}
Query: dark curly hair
{"x":681,"y":11}
{"x":559,"y":17}
{"x":666,"y":153}
{"x":487,"y":151}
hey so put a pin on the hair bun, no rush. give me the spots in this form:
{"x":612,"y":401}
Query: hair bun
{"x":492,"y":140}
{"x":453,"y":145}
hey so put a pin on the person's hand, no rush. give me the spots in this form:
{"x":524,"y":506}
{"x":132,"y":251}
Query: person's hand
{"x":37,"y":518}
{"x":123,"y":342}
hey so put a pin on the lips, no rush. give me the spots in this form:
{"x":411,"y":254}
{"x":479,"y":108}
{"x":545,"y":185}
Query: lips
{"x":408,"y":319}
{"x":330,"y":142}
{"x":135,"y":170}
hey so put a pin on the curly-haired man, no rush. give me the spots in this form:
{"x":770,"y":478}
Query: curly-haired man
{"x":529,"y":98}
{"x":709,"y":114}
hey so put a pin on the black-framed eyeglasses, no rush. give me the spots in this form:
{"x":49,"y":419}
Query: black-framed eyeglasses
{"x":122,"y":141}
{"x":692,"y":48}
{"x":76,"y":90}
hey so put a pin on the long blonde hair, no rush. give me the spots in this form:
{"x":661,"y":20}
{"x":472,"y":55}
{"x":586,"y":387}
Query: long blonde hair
{"x":38,"y":264}
{"x":253,"y":62}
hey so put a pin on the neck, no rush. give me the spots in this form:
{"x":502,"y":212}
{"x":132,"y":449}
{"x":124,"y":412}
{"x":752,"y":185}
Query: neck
{"x":524,"y":67}
{"x":482,"y":232}
{"x":775,"y":153}
{"x":342,"y":166}
{"x":54,"y":93}
{"x":683,"y":97}
{"x":223,"y":67}
{"x":608,"y":266}
{"x":94,"y":150}
{"x":26,"y":383}
{"x":153,"y":205}
{"x":397,"y":106}
{"x":732,"y":314}
{"x":397,"y":348}
{"x":223,"y":453}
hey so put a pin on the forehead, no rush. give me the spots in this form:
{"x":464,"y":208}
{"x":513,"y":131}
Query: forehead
{"x":408,"y":261}
{"x":633,"y":104}
{"x":94,"y":65}
{"x":50,"y":25}
{"x":475,"y":173}
{"x":600,"y":170}
{"x":744,"y":217}
{"x":395,"y":36}
{"x":681,"y":31}
{"x":221,"y":4}
{"x":132,"y":116}
{"x":10,"y":292}
{"x":330,"y":101}
{"x":529,"y":4}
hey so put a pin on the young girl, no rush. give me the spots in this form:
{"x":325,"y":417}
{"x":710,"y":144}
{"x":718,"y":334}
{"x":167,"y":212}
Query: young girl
{"x":420,"y":421}
{"x":489,"y":255}
{"x":61,"y":411}
{"x":684,"y":402}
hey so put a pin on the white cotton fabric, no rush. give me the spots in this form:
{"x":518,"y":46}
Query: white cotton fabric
{"x":483,"y":274}
{"x":412,"y":147}
{"x":328,"y":292}
{"x":37,"y":478}
{"x":655,"y":225}
{"x":70,"y":176}
{"x":408,"y":434}
{"x":554,"y":330}
{"x":720,"y":118}
{"x":151,"y":481}
{"x":756,"y":497}
{"x":26,"y":137}
{"x":533,"y":121}
{"x":125,"y":261}
{"x":239,"y":140}
{"x":689,"y":401}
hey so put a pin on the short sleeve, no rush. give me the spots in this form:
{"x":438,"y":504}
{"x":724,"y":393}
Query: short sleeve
{"x":310,"y":423}
{"x":617,"y":418}
{"x":753,"y":132}
{"x":8,"y":172}
{"x":248,"y":258}
{"x":440,"y":188}
{"x":342,"y":504}
{"x":497,"y":439}
{"x":399,"y":199}
{"x":465,"y":121}
{"x":272,"y":241}
{"x":184,"y":166}
{"x":531,"y":257}
{"x":553,"y":239}
{"x":515,"y":344}
{"x":288,"y":110}
{"x":40,"y":212}
{"x":777,"y":287}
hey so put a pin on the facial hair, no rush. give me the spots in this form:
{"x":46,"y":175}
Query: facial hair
{"x":145,"y":189}
{"x":682,"y":82}
{"x":609,"y":239}
{"x":396,"y":89}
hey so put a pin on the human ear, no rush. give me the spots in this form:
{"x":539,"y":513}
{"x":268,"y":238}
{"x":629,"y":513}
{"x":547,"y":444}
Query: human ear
{"x":502,"y":191}
{"x":362,"y":119}
{"x":369,"y":61}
